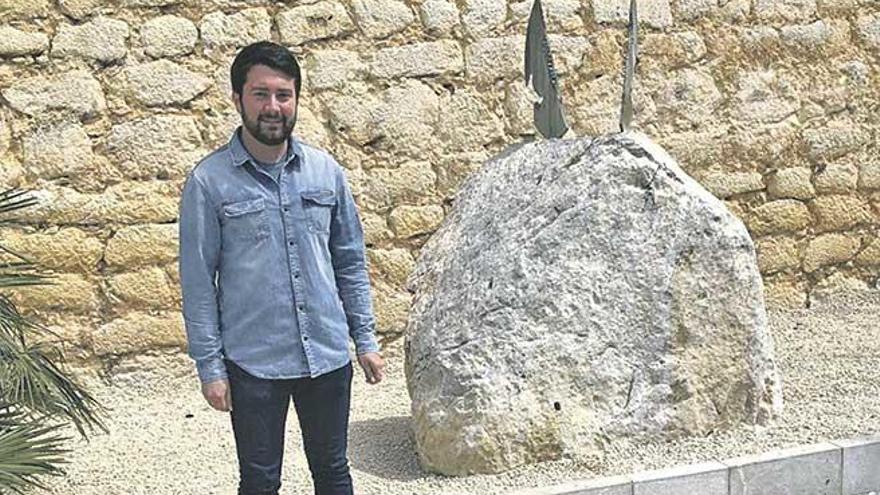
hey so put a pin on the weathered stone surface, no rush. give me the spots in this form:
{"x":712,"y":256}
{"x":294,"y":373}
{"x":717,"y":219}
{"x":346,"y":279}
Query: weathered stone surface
{"x":407,"y":117}
{"x":392,"y":307}
{"x":829,"y":8}
{"x":161,"y":146}
{"x":560,"y":15}
{"x":709,"y":478}
{"x":870,"y":255}
{"x":64,"y":150}
{"x":765,"y":97}
{"x":785,"y":292}
{"x":834,"y":140}
{"x":169,"y":36}
{"x":568,"y":52}
{"x":411,"y":183}
{"x":76,"y":92}
{"x":392,"y":265}
{"x":142,"y":245}
{"x":102,"y":39}
{"x":63,"y":250}
{"x":868,"y":29}
{"x":526,"y":275}
{"x":829,"y":249}
{"x":67,"y":292}
{"x":334,"y":69}
{"x":455,"y":168}
{"x":785,"y":11}
{"x":784,"y":215}
{"x":382,"y":18}
{"x":137,"y":331}
{"x":481,"y":17}
{"x":655,"y":13}
{"x":318,"y":21}
{"x":693,"y":10}
{"x":777,"y":253}
{"x":14,"y":42}
{"x":24,"y":9}
{"x":674,"y":49}
{"x":152,"y":3}
{"x":837,"y":179}
{"x":519,"y":110}
{"x":688,"y":95}
{"x":488,"y":59}
{"x":818,"y":38}
{"x":420,"y":59}
{"x":791,"y":183}
{"x":243,"y":28}
{"x":839,"y":212}
{"x":355,"y":112}
{"x":813,"y":469}
{"x":409,"y":221}
{"x":144,"y":289}
{"x":80,"y":9}
{"x":467,"y":123}
{"x":439,"y":17}
{"x":857,"y":472}
{"x":375,"y":229}
{"x":310,"y":128}
{"x":869,"y":175}
{"x":727,"y":184}
{"x":163,"y":83}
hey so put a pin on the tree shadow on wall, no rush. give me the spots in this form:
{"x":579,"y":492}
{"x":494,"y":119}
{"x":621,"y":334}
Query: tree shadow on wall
{"x":385,"y":447}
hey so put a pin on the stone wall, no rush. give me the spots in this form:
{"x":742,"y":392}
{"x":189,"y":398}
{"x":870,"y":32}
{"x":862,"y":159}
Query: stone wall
{"x":771,"y":104}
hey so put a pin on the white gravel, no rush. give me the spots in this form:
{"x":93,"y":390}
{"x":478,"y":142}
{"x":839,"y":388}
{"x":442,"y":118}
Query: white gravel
{"x":165,"y":440}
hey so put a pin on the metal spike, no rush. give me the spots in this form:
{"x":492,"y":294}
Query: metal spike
{"x":540,"y":75}
{"x":632,"y":53}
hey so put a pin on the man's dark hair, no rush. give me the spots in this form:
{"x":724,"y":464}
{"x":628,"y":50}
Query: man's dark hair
{"x":266,"y":53}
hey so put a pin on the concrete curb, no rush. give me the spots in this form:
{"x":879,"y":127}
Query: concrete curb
{"x":844,"y":467}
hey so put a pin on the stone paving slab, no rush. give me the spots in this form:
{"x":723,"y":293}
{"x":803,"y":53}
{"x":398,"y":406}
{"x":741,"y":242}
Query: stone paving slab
{"x":615,"y":485}
{"x":861,"y":465}
{"x":812,"y":469}
{"x":709,"y":478}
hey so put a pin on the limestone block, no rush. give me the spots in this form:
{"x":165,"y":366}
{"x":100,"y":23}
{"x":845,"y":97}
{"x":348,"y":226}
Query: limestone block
{"x":654,"y":13}
{"x":163,"y":83}
{"x":382,"y":18}
{"x":693,"y":10}
{"x":488,"y":59}
{"x":870,"y":255}
{"x":481,"y":17}
{"x":392,"y":307}
{"x":15,"y":43}
{"x":418,"y":59}
{"x":153,"y":3}
{"x":568,"y":52}
{"x":137,"y":332}
{"x":142,"y":245}
{"x":858,"y":472}
{"x":169,"y":36}
{"x":837,"y":178}
{"x":727,"y":184}
{"x":5,"y":134}
{"x":24,"y":9}
{"x":612,"y":485}
{"x":334,"y":69}
{"x":409,"y":221}
{"x":817,"y":39}
{"x":689,"y":95}
{"x":835,"y":283}
{"x":11,"y":172}
{"x":829,"y":249}
{"x":81,"y":9}
{"x":243,"y":28}
{"x":311,"y":129}
{"x":834,"y":140}
{"x":455,"y":168}
{"x":783,"y":215}
{"x":173,"y":272}
{"x":813,"y":469}
{"x":519,"y":109}
{"x":559,"y":15}
{"x":764,"y":96}
{"x":144,"y":289}
{"x":322,"y":20}
{"x":709,"y":478}
{"x":857,"y":72}
{"x":736,"y":10}
{"x":375,"y":229}
{"x":354,"y":114}
{"x":785,"y":292}
{"x":786,"y":11}
{"x":674,"y":49}
{"x":440,"y":17}
{"x":868,"y":29}
{"x":869,"y":175}
{"x":832,"y":8}
{"x":596,"y":109}
{"x":67,"y":292}
{"x":69,"y":250}
{"x":839,"y":212}
{"x":791,"y":183}
{"x":63,"y":150}
{"x":160,"y":146}
{"x":102,"y":39}
{"x":391,"y":265}
{"x":777,"y":254}
{"x":410,"y":183}
{"x":467,"y":123}
{"x":76,"y":92}
{"x":696,"y":149}
{"x":407,"y":117}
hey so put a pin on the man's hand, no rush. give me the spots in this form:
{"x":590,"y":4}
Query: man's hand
{"x":217,"y":394}
{"x":373,"y":366}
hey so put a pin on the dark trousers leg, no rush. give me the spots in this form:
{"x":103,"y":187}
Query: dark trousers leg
{"x":259,"y":413}
{"x":322,"y":408}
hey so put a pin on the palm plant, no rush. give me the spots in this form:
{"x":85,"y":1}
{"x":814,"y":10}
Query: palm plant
{"x":37,"y":398}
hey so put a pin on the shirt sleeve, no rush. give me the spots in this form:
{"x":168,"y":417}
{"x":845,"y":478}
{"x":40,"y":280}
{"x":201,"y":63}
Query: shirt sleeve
{"x":347,"y":254}
{"x":199,"y":252}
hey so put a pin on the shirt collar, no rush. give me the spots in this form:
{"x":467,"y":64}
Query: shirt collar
{"x":240,"y":154}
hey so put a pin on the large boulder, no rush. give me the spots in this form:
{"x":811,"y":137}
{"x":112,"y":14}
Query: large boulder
{"x":578,"y":292}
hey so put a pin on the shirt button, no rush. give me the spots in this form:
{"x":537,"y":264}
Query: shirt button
{"x":305,"y":337}
{"x":296,"y":275}
{"x":299,"y":307}
{"x":286,"y":209}
{"x":290,"y":243}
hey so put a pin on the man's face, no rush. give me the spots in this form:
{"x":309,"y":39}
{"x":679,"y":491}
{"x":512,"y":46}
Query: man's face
{"x":267,"y":105}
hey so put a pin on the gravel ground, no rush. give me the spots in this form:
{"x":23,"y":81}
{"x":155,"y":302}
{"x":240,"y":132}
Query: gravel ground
{"x":164,"y":440}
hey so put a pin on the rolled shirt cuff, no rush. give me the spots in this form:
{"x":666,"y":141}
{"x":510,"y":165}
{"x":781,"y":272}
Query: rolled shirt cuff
{"x":366,"y":343}
{"x":211,"y":370}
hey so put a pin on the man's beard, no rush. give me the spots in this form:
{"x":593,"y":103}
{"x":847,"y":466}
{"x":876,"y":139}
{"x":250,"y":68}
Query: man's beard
{"x":269,"y":134}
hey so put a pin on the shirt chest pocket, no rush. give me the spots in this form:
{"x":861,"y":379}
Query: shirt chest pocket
{"x":317,"y":206}
{"x":245,"y":220}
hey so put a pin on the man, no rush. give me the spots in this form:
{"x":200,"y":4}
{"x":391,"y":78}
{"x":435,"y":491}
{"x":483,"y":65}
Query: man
{"x":274,"y":282}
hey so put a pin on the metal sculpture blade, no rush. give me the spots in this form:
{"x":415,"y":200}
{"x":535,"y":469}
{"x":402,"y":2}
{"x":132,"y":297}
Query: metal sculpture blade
{"x":632,"y":53}
{"x":541,"y":76}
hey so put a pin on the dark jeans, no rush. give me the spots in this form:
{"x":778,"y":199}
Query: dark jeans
{"x":259,"y":413}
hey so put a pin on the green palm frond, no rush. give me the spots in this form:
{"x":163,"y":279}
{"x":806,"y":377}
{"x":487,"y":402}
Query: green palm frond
{"x":15,"y":199}
{"x":28,"y":449}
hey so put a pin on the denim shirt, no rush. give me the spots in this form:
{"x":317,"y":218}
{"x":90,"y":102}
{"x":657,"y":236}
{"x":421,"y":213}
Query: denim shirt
{"x":273,"y":273}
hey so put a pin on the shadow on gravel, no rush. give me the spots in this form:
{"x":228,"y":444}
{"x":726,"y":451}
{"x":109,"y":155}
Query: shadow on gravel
{"x":385,"y":448}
